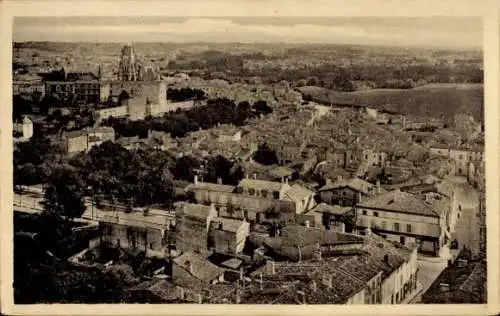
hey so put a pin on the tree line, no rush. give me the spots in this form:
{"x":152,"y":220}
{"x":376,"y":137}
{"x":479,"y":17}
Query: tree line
{"x":178,"y":124}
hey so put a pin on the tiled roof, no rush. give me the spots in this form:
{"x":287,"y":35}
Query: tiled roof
{"x":228,"y":224}
{"x":280,"y":172}
{"x":261,"y":184}
{"x":201,"y":268}
{"x":81,"y":76}
{"x":331,"y":209}
{"x":196,"y":210}
{"x":233,"y":263}
{"x":296,"y":192}
{"x":400,"y":201}
{"x":356,"y":184}
{"x":211,"y":187}
{"x":137,"y":219}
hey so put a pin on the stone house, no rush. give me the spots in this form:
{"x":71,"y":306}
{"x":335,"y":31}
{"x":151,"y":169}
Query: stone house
{"x":347,"y":192}
{"x":192,"y":270}
{"x":84,"y":140}
{"x":404,"y":218}
{"x":461,"y":155}
{"x":24,"y":128}
{"x":228,"y":235}
{"x":192,"y":227}
{"x":138,"y":230}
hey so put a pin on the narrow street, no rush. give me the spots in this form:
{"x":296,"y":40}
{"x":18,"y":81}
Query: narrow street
{"x":429,"y":270}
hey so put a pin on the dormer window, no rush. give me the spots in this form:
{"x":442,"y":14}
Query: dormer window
{"x":264,"y":193}
{"x":251,"y":191}
{"x":276,"y":195}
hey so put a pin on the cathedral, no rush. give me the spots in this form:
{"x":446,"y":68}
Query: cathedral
{"x":131,"y":69}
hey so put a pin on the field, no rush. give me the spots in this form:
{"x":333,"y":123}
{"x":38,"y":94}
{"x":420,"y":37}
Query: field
{"x":431,"y":100}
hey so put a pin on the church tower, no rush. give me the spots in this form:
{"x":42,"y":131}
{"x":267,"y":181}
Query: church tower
{"x":128,"y":69}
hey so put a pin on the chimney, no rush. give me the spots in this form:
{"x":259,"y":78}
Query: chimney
{"x":314,"y":287}
{"x":339,"y":177}
{"x":200,"y":299}
{"x":327,"y":280}
{"x":273,"y":267}
{"x":444,"y":287}
{"x":396,"y":194}
{"x":238,"y":297}
{"x":255,"y":176}
{"x":378,"y":186}
{"x":360,"y":197}
{"x":386,"y":259}
{"x":286,"y":180}
{"x":302,"y":295}
{"x":219,"y":180}
{"x":195,"y":180}
{"x":180,"y":292}
{"x":260,"y":281}
{"x":220,"y":226}
{"x":189,"y":266}
{"x":246,"y":175}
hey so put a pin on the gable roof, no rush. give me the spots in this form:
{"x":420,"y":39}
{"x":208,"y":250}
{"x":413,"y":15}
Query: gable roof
{"x":261,"y":184}
{"x":211,"y":187}
{"x":281,"y":172}
{"x":201,"y":268}
{"x":355,"y":184}
{"x":228,"y":224}
{"x":402,"y":202}
{"x":331,"y":209}
{"x":296,"y":192}
{"x":196,"y":210}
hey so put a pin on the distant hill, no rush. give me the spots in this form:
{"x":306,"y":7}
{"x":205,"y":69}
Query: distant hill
{"x":431,"y":100}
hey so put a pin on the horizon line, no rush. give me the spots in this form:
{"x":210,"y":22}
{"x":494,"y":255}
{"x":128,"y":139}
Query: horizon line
{"x":416,"y":46}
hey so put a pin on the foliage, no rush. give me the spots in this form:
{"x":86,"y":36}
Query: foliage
{"x":185,"y":166}
{"x":34,"y":160}
{"x":184,"y":94}
{"x":136,"y":178}
{"x":64,"y":194}
{"x":217,"y":111}
{"x":265,"y":155}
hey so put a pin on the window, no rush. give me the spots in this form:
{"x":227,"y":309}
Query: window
{"x":402,"y":240}
{"x":276,"y":195}
{"x":264,"y":193}
{"x":251,"y":191}
{"x":375,"y":214}
{"x":382,"y":225}
{"x":364,"y":212}
{"x":151,"y":245}
{"x":408,"y":228}
{"x":396,"y":227}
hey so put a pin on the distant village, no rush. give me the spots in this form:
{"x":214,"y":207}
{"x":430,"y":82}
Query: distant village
{"x":351,"y":200}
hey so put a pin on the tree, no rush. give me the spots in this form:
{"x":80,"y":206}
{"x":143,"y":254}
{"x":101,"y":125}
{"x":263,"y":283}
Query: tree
{"x":64,"y":194}
{"x":185,"y":166}
{"x":265,"y":155}
{"x":218,"y":167}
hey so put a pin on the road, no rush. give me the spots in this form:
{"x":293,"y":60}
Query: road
{"x":429,"y":270}
{"x":30,"y":202}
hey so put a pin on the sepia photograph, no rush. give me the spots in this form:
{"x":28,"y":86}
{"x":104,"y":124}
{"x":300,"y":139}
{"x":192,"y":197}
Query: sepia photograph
{"x":255,"y":160}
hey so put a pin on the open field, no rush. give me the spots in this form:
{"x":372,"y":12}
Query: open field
{"x":431,"y":100}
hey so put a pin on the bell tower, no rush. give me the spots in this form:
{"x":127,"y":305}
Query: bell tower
{"x":128,"y":69}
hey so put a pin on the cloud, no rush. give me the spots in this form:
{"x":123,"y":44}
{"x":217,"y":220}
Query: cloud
{"x":404,"y":32}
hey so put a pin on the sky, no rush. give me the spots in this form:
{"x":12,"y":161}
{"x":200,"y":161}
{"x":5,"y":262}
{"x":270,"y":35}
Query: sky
{"x":452,"y":31}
